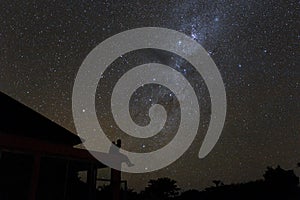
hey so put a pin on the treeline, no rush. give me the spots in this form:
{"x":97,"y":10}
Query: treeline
{"x":276,"y":184}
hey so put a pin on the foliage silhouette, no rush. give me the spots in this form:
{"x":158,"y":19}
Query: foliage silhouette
{"x":278,"y":183}
{"x":218,"y":183}
{"x":160,"y":189}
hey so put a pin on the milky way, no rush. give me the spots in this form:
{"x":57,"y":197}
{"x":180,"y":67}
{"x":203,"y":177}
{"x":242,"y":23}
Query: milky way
{"x":254,"y":44}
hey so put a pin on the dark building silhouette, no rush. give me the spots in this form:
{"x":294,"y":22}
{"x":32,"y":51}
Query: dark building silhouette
{"x":38,"y":160}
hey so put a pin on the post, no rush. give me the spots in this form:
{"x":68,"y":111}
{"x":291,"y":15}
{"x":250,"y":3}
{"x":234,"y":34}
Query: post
{"x":116,"y":180}
{"x":35,"y":176}
{"x":92,"y":173}
{"x":66,"y":180}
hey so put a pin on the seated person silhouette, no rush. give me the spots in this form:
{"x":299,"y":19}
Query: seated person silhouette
{"x":121,"y":158}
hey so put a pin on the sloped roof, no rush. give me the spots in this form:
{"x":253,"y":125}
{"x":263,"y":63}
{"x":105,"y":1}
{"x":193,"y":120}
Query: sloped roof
{"x":18,"y":119}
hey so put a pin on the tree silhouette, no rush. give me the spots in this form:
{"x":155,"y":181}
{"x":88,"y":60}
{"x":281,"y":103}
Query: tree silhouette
{"x":218,"y":183}
{"x":279,"y":177}
{"x":190,"y":195}
{"x":160,"y":189}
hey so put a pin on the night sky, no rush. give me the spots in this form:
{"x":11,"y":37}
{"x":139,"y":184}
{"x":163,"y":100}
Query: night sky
{"x":254,"y":44}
